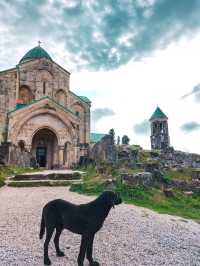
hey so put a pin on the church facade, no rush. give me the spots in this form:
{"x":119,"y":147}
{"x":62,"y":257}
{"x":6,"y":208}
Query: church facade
{"x":40,"y":117}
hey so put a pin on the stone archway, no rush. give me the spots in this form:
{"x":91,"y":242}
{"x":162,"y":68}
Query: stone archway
{"x":44,"y":148}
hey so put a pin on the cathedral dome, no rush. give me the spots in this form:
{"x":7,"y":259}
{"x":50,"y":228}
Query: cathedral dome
{"x":35,"y":53}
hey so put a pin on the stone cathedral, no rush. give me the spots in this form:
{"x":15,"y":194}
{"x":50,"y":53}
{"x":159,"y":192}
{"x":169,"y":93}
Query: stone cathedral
{"x":41,"y":119}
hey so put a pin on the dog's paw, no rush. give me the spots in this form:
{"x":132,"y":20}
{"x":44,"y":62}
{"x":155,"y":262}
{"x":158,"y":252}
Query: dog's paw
{"x":60,"y":254}
{"x":94,"y":263}
{"x":47,"y":261}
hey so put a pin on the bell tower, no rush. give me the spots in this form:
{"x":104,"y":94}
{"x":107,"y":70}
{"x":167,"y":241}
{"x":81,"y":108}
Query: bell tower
{"x":159,"y":130}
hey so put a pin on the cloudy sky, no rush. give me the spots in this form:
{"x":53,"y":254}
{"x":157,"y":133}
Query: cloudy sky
{"x":127,"y":56}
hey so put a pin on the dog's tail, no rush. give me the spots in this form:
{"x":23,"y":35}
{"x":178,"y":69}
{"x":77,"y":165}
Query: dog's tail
{"x":42,"y":226}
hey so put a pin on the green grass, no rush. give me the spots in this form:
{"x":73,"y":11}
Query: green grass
{"x":186,"y":206}
{"x":134,"y":170}
{"x":152,"y":198}
{"x":6,"y":171}
{"x":182,"y":174}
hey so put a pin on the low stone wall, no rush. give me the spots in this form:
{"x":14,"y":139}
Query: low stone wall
{"x":19,"y":157}
{"x":144,"y":179}
{"x":10,"y":154}
{"x":193,"y":186}
{"x":179,"y":159}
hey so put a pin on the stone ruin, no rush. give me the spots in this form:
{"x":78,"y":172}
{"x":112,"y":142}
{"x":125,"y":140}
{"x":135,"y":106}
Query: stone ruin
{"x":171,"y":158}
{"x":14,"y":155}
{"x":127,"y":156}
{"x":4,"y":153}
{"x":104,"y":150}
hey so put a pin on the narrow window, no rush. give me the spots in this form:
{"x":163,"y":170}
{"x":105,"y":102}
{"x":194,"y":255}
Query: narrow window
{"x":21,"y":145}
{"x":44,"y":88}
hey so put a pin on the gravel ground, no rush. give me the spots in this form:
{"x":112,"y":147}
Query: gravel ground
{"x":130,"y":235}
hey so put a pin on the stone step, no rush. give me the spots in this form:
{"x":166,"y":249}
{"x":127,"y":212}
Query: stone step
{"x":42,"y":182}
{"x":49,"y":175}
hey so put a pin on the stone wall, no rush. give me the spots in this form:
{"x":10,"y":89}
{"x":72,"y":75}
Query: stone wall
{"x":19,"y":157}
{"x":4,"y":153}
{"x":13,"y":155}
{"x":104,"y":150}
{"x":33,"y":73}
{"x":178,"y":159}
{"x":7,"y":98}
{"x":127,"y":156}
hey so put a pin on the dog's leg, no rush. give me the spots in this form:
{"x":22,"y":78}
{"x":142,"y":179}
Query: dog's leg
{"x":56,"y":242}
{"x":49,"y":232}
{"x":89,"y":252}
{"x":83,"y":248}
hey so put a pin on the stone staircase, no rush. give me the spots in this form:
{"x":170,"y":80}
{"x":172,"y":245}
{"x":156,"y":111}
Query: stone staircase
{"x":46,"y":178}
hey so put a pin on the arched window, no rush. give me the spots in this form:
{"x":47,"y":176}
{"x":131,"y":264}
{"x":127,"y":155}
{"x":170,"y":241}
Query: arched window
{"x":78,"y":109}
{"x":44,"y":83}
{"x":61,"y":97}
{"x":25,"y":95}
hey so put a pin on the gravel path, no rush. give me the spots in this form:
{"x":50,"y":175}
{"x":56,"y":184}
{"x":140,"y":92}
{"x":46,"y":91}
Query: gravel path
{"x":130,"y":236}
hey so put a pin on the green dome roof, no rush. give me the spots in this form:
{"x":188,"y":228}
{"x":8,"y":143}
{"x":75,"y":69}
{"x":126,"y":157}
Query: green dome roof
{"x":35,"y":53}
{"x":158,"y":114}
{"x":85,"y":99}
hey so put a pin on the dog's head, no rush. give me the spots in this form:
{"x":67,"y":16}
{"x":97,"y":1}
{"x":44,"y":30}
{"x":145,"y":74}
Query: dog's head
{"x":111,"y":198}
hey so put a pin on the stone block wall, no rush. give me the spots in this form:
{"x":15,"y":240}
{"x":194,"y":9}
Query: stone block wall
{"x":34,"y":73}
{"x":178,"y":159}
{"x":104,"y":150}
{"x":19,"y":157}
{"x":4,"y":152}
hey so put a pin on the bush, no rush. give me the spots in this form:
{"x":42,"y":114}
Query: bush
{"x":6,"y":171}
{"x":125,"y":140}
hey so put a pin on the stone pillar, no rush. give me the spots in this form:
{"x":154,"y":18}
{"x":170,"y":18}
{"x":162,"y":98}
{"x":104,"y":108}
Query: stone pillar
{"x":77,"y":154}
{"x":67,"y":155}
{"x":61,"y":155}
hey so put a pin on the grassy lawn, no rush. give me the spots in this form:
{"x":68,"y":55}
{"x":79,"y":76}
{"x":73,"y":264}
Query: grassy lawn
{"x":183,"y":174}
{"x":6,"y":171}
{"x":186,"y":206}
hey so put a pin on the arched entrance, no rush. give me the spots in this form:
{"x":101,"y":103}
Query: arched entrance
{"x":45,"y":148}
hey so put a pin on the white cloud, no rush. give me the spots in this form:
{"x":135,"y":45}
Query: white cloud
{"x":134,"y":91}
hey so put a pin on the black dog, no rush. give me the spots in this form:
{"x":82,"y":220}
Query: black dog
{"x":84,"y":219}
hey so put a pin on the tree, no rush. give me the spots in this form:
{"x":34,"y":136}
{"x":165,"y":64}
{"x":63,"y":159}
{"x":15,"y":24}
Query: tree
{"x":125,"y":140}
{"x":112,"y":133}
{"x":118,"y":140}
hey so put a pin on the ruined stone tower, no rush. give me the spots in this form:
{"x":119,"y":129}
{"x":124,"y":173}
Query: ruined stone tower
{"x":159,"y":130}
